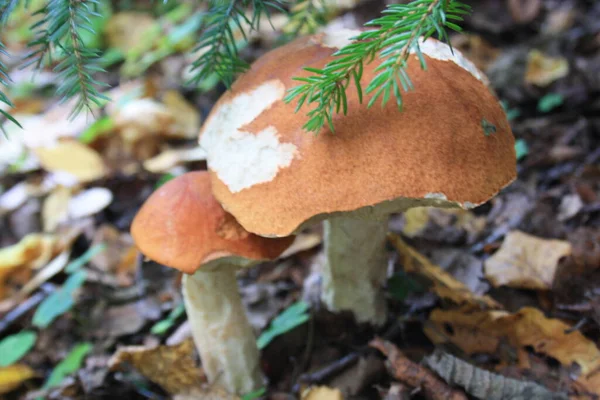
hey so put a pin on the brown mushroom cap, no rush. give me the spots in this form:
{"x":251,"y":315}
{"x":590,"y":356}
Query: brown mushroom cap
{"x":435,"y":152}
{"x":182,"y":225}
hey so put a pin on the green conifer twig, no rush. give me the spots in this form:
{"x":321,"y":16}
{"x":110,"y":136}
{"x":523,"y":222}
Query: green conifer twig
{"x":217,"y":43}
{"x":397,"y":35}
{"x":60,"y":28}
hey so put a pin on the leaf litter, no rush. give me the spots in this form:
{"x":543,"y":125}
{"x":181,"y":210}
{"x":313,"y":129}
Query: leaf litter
{"x":510,"y":290}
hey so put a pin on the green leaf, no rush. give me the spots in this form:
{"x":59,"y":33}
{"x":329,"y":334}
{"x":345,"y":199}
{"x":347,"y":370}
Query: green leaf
{"x":71,"y":364}
{"x":511,"y":113}
{"x":163,"y":179}
{"x":400,"y":285}
{"x":59,"y":302}
{"x":14,"y":347}
{"x":521,"y":148}
{"x":85,"y":258}
{"x":255,"y":394}
{"x":549,"y":102}
{"x":164,"y":325}
{"x":295,"y":315}
{"x":98,"y":128}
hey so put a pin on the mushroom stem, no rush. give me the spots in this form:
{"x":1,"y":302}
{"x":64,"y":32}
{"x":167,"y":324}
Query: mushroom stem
{"x":356,"y":267}
{"x":221,"y":331}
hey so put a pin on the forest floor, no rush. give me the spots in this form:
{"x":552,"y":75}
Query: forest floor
{"x":511,"y":287}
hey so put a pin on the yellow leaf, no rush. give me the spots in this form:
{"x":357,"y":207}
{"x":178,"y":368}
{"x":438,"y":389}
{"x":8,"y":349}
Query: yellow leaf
{"x":74,"y":158}
{"x":55,"y":208}
{"x":186,"y":116}
{"x":542,"y":69}
{"x":13,"y":376}
{"x":322,"y":393}
{"x":525,"y":261}
{"x":444,"y":284}
{"x":486,"y":331}
{"x":171,"y":367}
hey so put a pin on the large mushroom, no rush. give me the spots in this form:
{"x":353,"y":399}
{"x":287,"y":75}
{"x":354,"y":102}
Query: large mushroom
{"x":452,"y":146}
{"x":182,"y":226}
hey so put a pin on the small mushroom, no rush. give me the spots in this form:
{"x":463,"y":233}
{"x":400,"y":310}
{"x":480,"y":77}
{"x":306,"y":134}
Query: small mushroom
{"x":451,"y":146}
{"x":182,"y":226}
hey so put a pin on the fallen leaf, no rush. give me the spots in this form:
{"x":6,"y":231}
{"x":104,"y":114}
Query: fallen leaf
{"x":321,"y":393}
{"x":126,"y":30}
{"x":542,"y":69}
{"x":13,"y":376}
{"x":74,"y":158}
{"x":476,"y":49}
{"x":55,"y":209}
{"x":186,"y":117}
{"x":69,"y":365}
{"x":33,"y":251}
{"x":484,"y":384}
{"x":14,"y":347}
{"x":171,"y":158}
{"x":120,"y":257}
{"x":570,"y":205}
{"x":485,"y":331}
{"x":14,"y":197}
{"x":415,"y":375}
{"x":59,"y":302}
{"x":123,"y":320}
{"x":89,"y":202}
{"x":525,"y":261}
{"x":171,"y":367}
{"x":292,"y":317}
{"x":443,"y":284}
{"x":524,"y":12}
{"x":302,"y":242}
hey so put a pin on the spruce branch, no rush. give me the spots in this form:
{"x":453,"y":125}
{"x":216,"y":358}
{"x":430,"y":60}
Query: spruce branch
{"x":6,"y":8}
{"x":397,"y":35}
{"x":217,"y":45}
{"x":60,"y":28}
{"x":306,"y":16}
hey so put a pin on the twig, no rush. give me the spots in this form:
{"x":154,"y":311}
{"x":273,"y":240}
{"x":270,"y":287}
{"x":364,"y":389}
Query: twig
{"x":26,"y":306}
{"x":415,"y":375}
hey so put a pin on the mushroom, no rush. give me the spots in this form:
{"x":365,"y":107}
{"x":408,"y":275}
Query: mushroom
{"x":182,"y":226}
{"x":451,"y":146}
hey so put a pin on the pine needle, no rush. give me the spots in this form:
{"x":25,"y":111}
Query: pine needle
{"x":396,"y":35}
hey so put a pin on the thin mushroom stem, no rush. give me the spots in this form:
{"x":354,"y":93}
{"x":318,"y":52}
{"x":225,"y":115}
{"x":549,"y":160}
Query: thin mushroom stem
{"x":221,"y":331}
{"x":356,"y":267}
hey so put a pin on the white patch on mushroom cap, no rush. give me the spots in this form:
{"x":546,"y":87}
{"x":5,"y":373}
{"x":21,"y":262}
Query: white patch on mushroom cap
{"x":243,"y":159}
{"x":338,"y":38}
{"x":441,"y":51}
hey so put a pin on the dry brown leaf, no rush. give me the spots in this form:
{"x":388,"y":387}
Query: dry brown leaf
{"x":542,"y":69}
{"x":415,"y":375}
{"x":525,"y":261}
{"x":13,"y":376}
{"x":171,"y":367}
{"x":74,"y":158}
{"x":444,"y":284}
{"x":120,"y":256}
{"x":484,"y":331}
{"x":321,"y":393}
{"x":33,"y":251}
{"x":302,"y":242}
{"x":476,"y":49}
{"x":524,"y":11}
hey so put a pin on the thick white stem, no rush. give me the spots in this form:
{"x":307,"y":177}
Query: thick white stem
{"x":356,"y":267}
{"x":221,"y":331}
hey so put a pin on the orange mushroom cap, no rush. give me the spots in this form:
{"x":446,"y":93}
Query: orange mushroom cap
{"x":181,"y":225}
{"x":451,"y":146}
